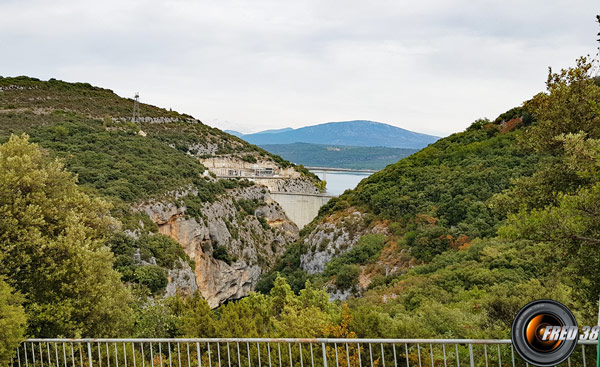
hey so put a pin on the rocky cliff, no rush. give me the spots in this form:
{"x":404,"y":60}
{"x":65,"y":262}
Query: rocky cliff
{"x":334,"y":235}
{"x":230,"y":246}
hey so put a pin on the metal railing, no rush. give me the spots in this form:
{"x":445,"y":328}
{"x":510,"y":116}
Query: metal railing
{"x":262,"y":352}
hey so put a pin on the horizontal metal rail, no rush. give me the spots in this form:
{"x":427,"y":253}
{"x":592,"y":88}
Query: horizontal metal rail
{"x":335,"y":169}
{"x":278,"y":352}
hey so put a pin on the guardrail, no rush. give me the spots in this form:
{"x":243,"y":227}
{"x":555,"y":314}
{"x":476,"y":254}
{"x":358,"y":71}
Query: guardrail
{"x":263,"y":352}
{"x":337,"y":169}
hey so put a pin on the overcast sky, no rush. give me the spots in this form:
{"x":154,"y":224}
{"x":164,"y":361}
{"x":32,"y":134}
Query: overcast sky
{"x":427,"y":66}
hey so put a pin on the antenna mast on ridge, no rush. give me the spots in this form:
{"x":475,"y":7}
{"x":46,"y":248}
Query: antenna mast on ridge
{"x":136,"y":119}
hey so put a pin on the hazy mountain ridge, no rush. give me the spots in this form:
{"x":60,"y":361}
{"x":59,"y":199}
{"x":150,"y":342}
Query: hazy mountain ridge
{"x":352,"y":133}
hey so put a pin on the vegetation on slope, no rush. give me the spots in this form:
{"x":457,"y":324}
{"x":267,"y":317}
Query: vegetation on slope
{"x":28,"y":103}
{"x":433,"y":200}
{"x":339,"y":156}
{"x":124,"y":168}
{"x":531,"y":176}
{"x":118,"y":164}
{"x":548,"y":246}
{"x":85,"y":127}
{"x":39,"y":97}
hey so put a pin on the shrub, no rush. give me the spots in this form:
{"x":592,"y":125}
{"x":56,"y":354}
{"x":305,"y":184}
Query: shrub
{"x":220,"y":253}
{"x":249,"y":206}
{"x":229,"y":183}
{"x":263,"y":223}
{"x":249,"y":158}
{"x":165,"y":250}
{"x":152,"y":276}
{"x":347,"y":276}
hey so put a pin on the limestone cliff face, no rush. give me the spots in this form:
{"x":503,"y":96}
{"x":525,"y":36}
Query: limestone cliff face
{"x":252,"y":244}
{"x":181,"y":279}
{"x":335,"y":235}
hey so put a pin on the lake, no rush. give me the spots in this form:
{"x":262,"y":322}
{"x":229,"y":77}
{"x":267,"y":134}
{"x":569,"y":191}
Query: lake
{"x":338,"y":182}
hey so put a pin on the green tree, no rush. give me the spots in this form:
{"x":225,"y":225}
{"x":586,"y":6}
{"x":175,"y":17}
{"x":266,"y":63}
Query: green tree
{"x":570,"y":105}
{"x":248,"y":317}
{"x":310,"y":314}
{"x":197,"y":318}
{"x":12,"y":322}
{"x":281,"y":295}
{"x":52,"y":236}
{"x":281,"y":313}
{"x":159,"y":319}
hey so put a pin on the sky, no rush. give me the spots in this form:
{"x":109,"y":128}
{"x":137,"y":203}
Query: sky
{"x":427,"y":66}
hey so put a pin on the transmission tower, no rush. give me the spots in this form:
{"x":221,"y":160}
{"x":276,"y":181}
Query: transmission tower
{"x":136,"y":119}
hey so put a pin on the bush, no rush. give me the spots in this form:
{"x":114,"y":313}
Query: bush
{"x":366,"y":250}
{"x":249,"y":158}
{"x":429,"y":242}
{"x":220,"y":253}
{"x":165,"y":250}
{"x":347,"y":276}
{"x":249,"y":206}
{"x":152,"y":276}
{"x":263,"y":223}
{"x":229,"y":183}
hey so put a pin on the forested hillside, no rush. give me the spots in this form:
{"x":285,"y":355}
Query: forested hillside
{"x":454,"y":239}
{"x":339,"y":156}
{"x":100,"y":216}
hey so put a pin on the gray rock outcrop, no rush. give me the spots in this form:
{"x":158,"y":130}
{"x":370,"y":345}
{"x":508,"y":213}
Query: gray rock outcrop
{"x":333,"y":237}
{"x":181,"y":279}
{"x":252,"y":244}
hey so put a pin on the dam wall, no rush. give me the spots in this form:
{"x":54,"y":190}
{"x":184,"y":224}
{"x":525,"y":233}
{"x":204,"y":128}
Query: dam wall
{"x":299,"y":207}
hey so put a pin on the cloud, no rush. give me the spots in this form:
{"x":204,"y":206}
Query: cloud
{"x":429,"y":66}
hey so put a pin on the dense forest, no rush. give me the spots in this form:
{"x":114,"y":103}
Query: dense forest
{"x":453,"y":240}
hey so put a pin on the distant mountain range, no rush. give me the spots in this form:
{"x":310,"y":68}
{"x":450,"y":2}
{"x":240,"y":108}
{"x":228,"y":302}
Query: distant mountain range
{"x":348,"y":133}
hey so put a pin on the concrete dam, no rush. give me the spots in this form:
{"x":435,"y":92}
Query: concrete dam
{"x":297,"y":201}
{"x":301,"y":208}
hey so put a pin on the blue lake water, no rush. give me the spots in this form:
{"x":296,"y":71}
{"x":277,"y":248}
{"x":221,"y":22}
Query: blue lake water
{"x":338,"y":182}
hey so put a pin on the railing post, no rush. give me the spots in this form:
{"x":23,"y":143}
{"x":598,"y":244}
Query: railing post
{"x":324,"y":355}
{"x":89,"y":348}
{"x":471,"y":355}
